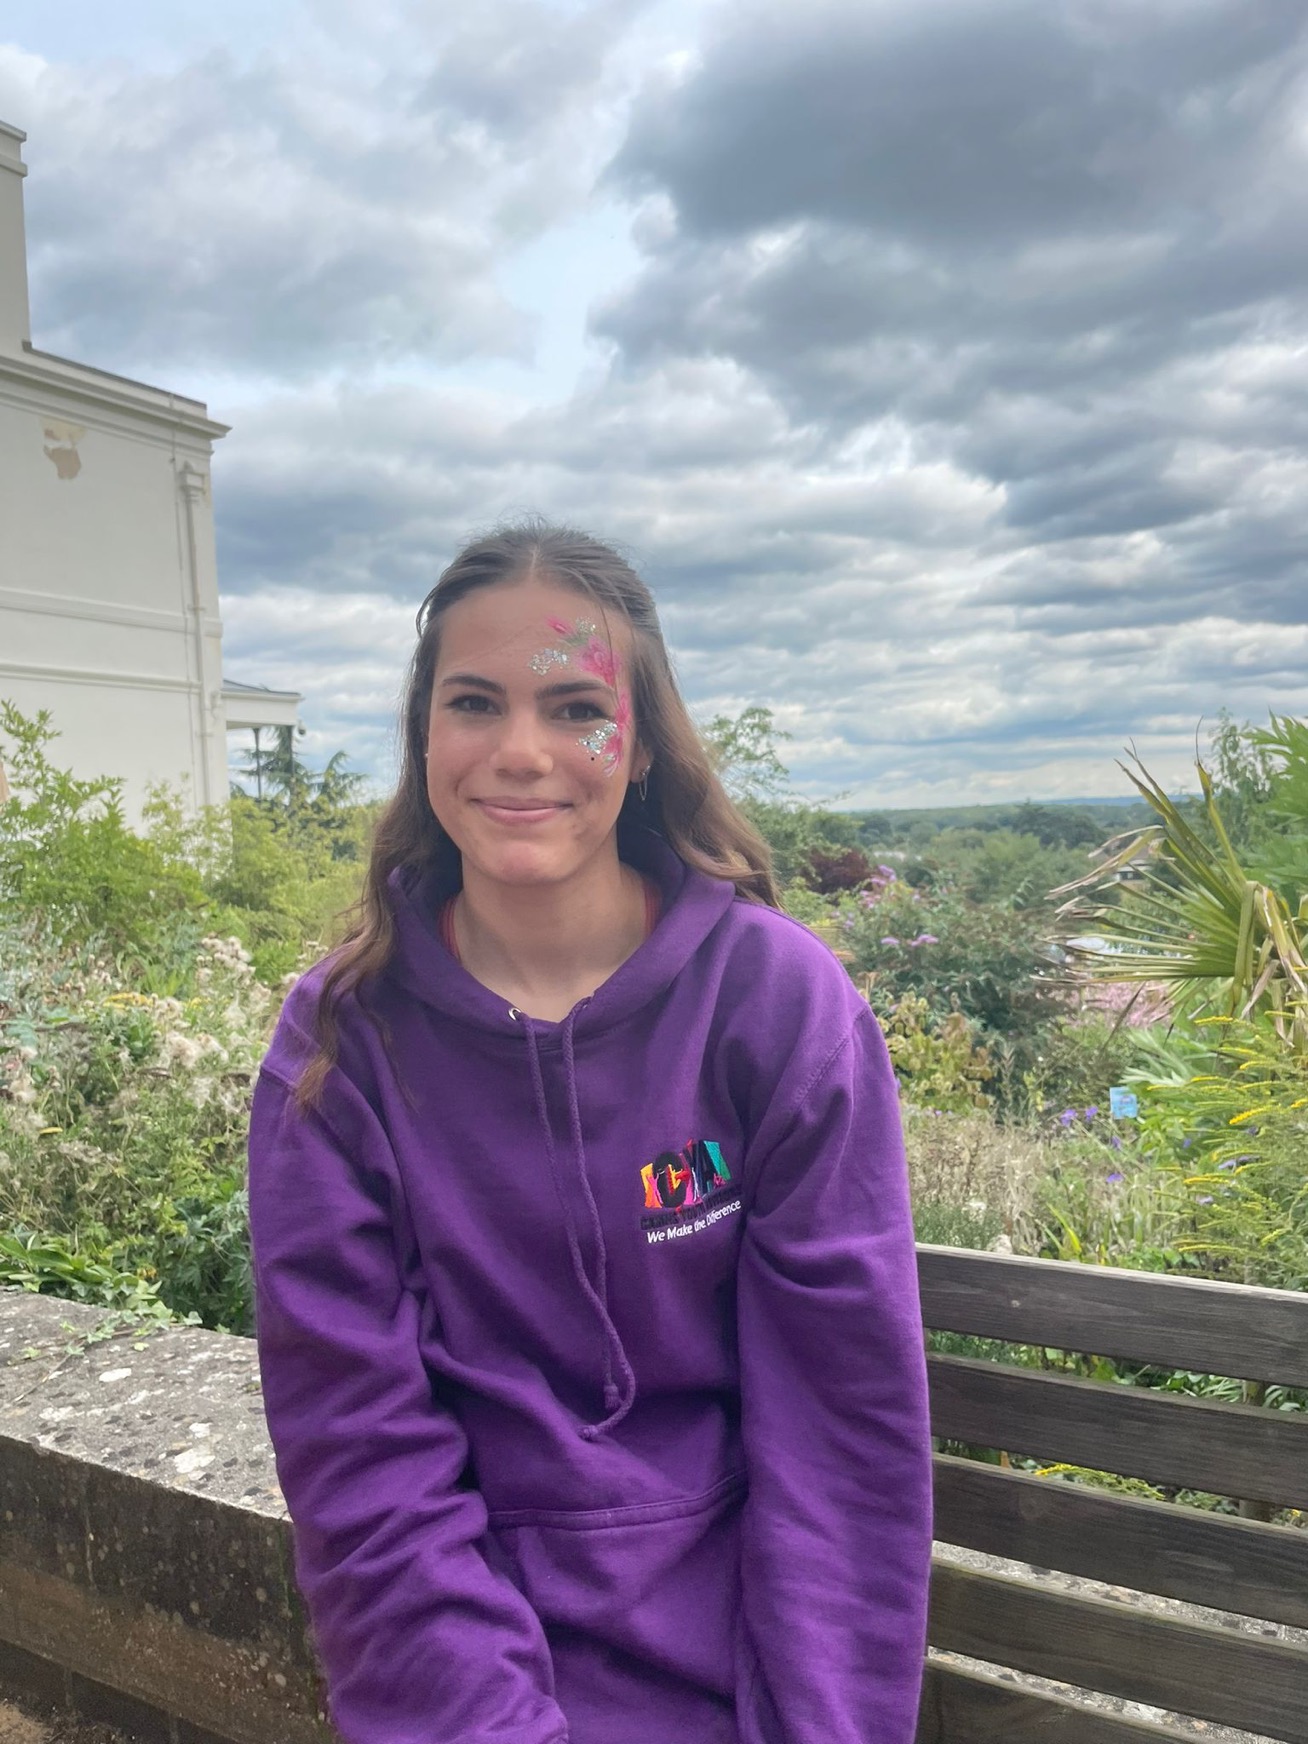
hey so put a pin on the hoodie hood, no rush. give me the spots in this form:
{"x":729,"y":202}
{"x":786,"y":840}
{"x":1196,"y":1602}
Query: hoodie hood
{"x":692,"y":905}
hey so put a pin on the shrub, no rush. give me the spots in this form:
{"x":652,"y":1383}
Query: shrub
{"x":832,"y":870}
{"x":939,"y":1065}
{"x":122,"y":1123}
{"x":1241,"y":1161}
{"x":1079,"y":1058}
{"x":274,"y":875}
{"x":993,"y":964}
{"x":68,"y":859}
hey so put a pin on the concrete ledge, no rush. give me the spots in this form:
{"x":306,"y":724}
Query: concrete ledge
{"x":145,"y":1552}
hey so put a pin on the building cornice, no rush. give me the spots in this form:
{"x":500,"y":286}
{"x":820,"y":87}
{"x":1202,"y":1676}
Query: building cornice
{"x":89,"y":676}
{"x":55,"y":605}
{"x":34,"y":369}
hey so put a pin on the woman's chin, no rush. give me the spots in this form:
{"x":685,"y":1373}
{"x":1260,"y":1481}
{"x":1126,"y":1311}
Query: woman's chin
{"x":521,"y":866}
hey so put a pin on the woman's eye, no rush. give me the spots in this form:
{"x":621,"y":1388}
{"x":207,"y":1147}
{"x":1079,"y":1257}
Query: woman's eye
{"x":593,"y":710}
{"x":470,"y":704}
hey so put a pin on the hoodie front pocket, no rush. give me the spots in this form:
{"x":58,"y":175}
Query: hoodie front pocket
{"x":658,"y":1582}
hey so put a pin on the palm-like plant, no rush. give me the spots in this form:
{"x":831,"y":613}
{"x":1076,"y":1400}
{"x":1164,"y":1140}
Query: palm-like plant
{"x":1193,"y":919}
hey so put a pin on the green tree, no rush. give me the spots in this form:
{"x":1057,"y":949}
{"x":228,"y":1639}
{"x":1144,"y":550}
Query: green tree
{"x":744,"y":753}
{"x":279,"y":774}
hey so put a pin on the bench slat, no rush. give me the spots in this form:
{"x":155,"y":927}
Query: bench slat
{"x":966,"y":1707}
{"x":1244,"y":1451}
{"x":1210,"y":1673}
{"x":1181,"y":1323}
{"x":1155,"y":1547}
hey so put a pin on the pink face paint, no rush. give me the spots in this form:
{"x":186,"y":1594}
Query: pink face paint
{"x":610,"y":737}
{"x":581,"y":641}
{"x":601,"y":661}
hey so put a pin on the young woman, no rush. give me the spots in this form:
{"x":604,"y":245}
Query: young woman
{"x":587,"y":1305}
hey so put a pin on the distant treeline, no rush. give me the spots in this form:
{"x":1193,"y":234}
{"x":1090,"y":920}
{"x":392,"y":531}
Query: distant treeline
{"x":1063,"y":824}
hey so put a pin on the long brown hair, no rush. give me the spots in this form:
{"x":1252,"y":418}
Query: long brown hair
{"x":686,"y":803}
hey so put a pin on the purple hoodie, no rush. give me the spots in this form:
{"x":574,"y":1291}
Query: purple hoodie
{"x":591,"y":1350}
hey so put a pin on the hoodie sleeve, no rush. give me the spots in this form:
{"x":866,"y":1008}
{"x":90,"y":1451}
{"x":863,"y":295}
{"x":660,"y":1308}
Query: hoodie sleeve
{"x":421,"y":1640}
{"x":837,"y":1528}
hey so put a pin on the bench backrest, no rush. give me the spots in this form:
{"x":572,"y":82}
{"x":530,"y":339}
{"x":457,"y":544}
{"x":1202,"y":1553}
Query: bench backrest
{"x":1246,"y":1451}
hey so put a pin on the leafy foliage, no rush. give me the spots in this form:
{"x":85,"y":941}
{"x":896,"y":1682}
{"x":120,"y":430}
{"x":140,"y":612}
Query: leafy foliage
{"x":940,"y":1064}
{"x":991,"y":962}
{"x":744,"y":752}
{"x":275,"y":874}
{"x":1196,"y":921}
{"x":1242,"y":1163}
{"x":122,"y":1128}
{"x":68,"y":855}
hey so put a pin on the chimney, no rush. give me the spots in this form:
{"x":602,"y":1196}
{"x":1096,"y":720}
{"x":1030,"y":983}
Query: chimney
{"x":15,"y":322}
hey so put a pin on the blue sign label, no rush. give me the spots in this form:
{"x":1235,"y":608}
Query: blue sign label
{"x":1123,"y":1103}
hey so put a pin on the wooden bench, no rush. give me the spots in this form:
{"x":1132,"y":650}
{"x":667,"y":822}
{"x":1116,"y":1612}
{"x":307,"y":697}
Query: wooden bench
{"x":1208,"y":1670}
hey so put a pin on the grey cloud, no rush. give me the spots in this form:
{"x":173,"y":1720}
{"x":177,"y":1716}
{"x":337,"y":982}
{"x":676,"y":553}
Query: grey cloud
{"x":970,"y":125}
{"x":1024,"y":233}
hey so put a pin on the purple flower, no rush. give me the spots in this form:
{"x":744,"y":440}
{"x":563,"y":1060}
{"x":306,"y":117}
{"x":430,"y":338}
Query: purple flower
{"x":1116,"y":1142}
{"x":926,"y":939}
{"x":1204,"y":1199}
{"x":1230,"y":1162}
{"x":1186,"y":1143}
{"x":1091,"y":1111}
{"x":1067,"y":1117}
{"x":890,"y":940}
{"x":887,"y":871}
{"x":1116,"y":1176}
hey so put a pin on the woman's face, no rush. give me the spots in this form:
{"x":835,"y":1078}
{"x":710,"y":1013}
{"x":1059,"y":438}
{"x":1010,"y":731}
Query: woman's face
{"x":530,"y":740}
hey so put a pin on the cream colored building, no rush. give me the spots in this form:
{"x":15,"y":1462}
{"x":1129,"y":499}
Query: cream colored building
{"x":108,"y":581}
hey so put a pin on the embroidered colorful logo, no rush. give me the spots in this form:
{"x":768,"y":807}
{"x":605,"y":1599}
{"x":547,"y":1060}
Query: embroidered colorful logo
{"x":686,"y":1190}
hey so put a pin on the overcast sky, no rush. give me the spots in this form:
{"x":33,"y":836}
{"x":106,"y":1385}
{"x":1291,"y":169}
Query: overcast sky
{"x":943,"y":364}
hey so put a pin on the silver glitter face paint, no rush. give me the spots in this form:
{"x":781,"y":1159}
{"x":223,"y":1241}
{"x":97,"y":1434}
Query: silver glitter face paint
{"x":595,"y":742}
{"x":573,"y":636}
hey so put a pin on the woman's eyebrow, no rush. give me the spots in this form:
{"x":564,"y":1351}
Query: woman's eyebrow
{"x":564,"y":687}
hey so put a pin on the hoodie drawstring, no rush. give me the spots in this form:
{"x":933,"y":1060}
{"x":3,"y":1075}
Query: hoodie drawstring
{"x":618,"y":1399}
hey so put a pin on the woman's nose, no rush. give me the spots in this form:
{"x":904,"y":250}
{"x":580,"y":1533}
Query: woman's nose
{"x":521,"y":743}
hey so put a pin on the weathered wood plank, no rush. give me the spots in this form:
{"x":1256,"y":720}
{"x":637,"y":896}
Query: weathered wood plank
{"x":1209,"y":1673}
{"x":1157,"y":1547}
{"x":966,"y":1707}
{"x":1185,"y":1323}
{"x":1233,"y":1450}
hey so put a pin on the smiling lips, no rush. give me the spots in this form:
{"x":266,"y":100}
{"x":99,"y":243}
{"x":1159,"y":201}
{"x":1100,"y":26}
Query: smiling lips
{"x":519,"y":811}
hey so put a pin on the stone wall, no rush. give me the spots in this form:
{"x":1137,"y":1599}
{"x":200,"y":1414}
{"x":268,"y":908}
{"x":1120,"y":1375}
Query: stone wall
{"x":145,"y":1556}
